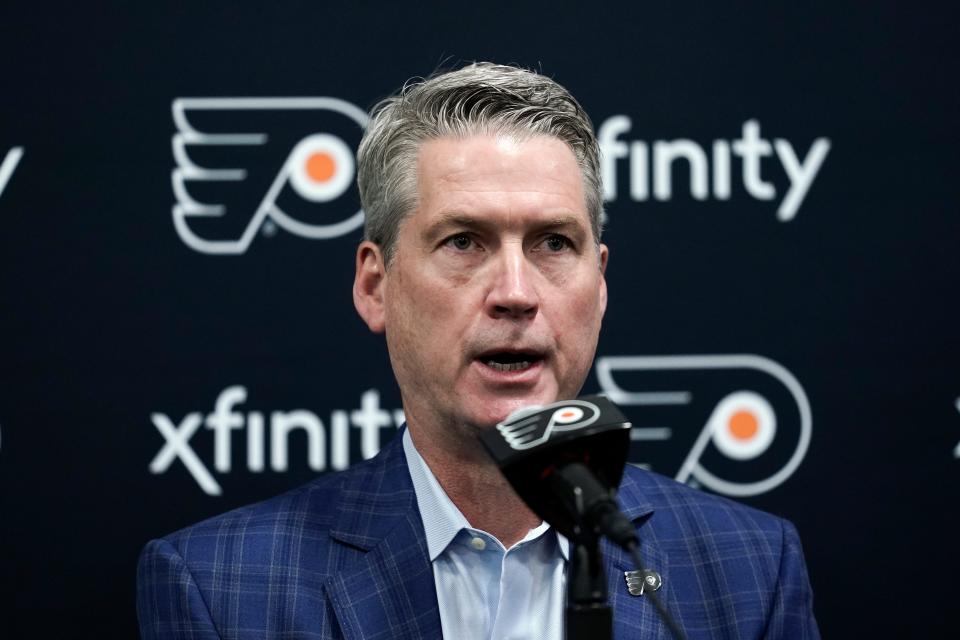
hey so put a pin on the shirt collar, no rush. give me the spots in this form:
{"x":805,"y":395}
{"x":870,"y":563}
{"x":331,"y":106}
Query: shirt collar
{"x":442,"y":520}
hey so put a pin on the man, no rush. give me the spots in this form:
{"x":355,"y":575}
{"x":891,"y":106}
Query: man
{"x":482,"y":265}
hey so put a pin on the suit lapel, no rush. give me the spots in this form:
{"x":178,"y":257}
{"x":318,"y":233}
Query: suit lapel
{"x":635,"y":616}
{"x":389,"y":591}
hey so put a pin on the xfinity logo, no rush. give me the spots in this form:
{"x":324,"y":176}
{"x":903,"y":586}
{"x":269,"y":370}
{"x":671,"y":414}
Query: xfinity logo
{"x":655,"y":163}
{"x":8,"y":166}
{"x":226,"y":418}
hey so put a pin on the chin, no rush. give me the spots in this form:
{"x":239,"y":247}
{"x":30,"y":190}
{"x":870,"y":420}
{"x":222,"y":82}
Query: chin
{"x":497,"y":410}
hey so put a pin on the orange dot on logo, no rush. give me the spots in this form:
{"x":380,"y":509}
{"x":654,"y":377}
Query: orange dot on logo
{"x":567,"y":414}
{"x":743,"y":425}
{"x":321,"y":166}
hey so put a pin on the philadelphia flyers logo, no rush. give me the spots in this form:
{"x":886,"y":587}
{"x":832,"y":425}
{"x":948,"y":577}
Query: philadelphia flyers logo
{"x":737,"y":424}
{"x":532,"y":426}
{"x":258,"y":165}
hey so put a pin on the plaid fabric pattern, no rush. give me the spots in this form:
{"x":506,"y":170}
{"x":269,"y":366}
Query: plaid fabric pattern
{"x":345,"y":557}
{"x":729,"y":571}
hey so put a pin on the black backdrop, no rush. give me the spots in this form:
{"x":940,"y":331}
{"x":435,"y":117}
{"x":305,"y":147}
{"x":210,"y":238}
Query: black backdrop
{"x":114,"y":326}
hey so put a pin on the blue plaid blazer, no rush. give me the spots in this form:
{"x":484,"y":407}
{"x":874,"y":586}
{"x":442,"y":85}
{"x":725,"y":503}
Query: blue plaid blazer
{"x":345,"y":557}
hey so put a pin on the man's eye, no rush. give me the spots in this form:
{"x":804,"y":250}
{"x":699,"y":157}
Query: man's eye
{"x":460,"y":241}
{"x":556,"y":242}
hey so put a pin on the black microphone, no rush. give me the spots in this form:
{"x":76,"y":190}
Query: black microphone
{"x":563,"y":460}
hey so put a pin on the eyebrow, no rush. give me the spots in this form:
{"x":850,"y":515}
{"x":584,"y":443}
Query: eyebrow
{"x":462,"y":220}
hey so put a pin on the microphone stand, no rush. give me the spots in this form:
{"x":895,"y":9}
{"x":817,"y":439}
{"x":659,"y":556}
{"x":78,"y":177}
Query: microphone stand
{"x":588,"y":615}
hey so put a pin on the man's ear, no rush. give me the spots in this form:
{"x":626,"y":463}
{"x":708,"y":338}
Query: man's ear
{"x":368,"y":284}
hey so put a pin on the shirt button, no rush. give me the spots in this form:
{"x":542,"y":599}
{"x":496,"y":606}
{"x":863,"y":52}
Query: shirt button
{"x":478,"y":543}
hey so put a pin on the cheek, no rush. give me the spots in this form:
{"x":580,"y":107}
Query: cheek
{"x":420,"y":312}
{"x":580,"y":313}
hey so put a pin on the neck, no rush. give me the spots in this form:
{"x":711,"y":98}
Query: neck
{"x":482,"y":494}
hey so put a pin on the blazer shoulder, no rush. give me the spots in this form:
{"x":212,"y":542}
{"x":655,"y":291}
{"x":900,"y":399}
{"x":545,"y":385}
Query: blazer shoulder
{"x":682,"y":514}
{"x":743,"y":567}
{"x":293,"y":506}
{"x":308,"y":510}
{"x":223,"y":573}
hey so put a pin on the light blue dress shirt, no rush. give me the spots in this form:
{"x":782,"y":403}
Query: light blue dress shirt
{"x":485,"y":591}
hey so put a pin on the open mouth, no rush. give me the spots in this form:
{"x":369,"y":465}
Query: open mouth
{"x":510,"y":360}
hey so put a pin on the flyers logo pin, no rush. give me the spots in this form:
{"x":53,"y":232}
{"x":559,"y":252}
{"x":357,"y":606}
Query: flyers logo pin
{"x":530,"y":426}
{"x":249,"y":165}
{"x":739,"y":425}
{"x":640,"y":582}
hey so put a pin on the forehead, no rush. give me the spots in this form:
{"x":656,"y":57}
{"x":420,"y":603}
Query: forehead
{"x":500,"y":176}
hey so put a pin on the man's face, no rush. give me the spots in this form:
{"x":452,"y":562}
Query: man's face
{"x":494,"y":297}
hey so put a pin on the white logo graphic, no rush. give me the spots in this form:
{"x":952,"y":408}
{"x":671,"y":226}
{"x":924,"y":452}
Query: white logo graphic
{"x":9,"y":165}
{"x":742,"y":426}
{"x":369,"y":419}
{"x":750,"y":148}
{"x":320,"y":169}
{"x":524,"y":431}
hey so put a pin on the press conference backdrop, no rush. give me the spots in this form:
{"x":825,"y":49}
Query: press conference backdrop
{"x":178,"y":220}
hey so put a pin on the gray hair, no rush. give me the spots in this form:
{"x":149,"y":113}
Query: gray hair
{"x":479,"y":99}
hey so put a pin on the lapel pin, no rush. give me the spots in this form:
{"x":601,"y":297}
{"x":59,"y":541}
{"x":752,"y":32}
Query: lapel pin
{"x":639,"y":581}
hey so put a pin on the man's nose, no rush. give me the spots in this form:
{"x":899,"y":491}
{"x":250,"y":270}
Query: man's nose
{"x":513,"y":293}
